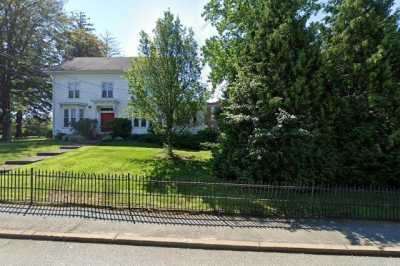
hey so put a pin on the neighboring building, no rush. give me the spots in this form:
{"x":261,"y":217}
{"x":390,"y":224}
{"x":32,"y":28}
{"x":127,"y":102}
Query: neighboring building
{"x":94,"y":88}
{"x":212,"y":109}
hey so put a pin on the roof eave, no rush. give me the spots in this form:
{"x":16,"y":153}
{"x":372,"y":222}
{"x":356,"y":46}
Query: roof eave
{"x":55,"y":72}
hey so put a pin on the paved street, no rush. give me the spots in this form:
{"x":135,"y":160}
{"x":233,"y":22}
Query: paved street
{"x":28,"y":252}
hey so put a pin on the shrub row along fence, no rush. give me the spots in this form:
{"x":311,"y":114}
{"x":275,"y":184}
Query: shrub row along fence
{"x":266,"y":200}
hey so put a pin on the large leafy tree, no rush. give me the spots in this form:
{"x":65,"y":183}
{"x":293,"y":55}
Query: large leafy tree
{"x":81,"y":41}
{"x":361,"y":60}
{"x":267,"y":56}
{"x":30,"y":37}
{"x":164,"y":80}
{"x":334,"y":92}
{"x":32,"y":98}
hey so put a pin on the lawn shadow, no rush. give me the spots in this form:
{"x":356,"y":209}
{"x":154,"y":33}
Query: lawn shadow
{"x":140,"y":144}
{"x":22,"y":145}
{"x":128,"y":143}
{"x":183,"y":169}
{"x":215,"y":194}
{"x":178,"y":170}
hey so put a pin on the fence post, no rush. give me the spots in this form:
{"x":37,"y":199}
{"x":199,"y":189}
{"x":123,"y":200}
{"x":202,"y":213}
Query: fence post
{"x":31,"y":186}
{"x":313,"y":189}
{"x":312,"y":207}
{"x":129,"y":191}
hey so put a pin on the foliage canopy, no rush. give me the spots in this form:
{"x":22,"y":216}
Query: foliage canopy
{"x":305,"y":101}
{"x":164,"y":80}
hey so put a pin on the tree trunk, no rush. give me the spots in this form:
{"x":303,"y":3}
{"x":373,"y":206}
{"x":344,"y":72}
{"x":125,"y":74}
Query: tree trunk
{"x":6,"y":126}
{"x":6,"y":107}
{"x":18,"y":122}
{"x":168,"y":142}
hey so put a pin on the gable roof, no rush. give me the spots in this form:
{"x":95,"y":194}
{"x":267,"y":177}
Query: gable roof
{"x":96,"y":64}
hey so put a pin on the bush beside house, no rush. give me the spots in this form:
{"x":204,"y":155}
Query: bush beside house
{"x":204,"y":140}
{"x":120,"y":127}
{"x":86,"y":128}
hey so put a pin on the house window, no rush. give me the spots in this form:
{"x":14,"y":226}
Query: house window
{"x":66,"y":118}
{"x":136,"y":122}
{"x":73,"y":115}
{"x":107,"y":90}
{"x":73,"y":91}
{"x":143,"y":123}
{"x":81,"y":114}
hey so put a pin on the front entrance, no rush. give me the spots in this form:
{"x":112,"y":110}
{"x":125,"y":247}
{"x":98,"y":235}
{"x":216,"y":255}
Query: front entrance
{"x":105,"y":118}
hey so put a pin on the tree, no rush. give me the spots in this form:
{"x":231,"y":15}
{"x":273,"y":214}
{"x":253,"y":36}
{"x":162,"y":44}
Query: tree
{"x":164,"y":80}
{"x":30,"y":34}
{"x":80,"y":38}
{"x":79,"y":21}
{"x":83,"y":44}
{"x":361,"y":55}
{"x":304,"y":101}
{"x":267,"y":55}
{"x":32,"y":98}
{"x":110,"y":46}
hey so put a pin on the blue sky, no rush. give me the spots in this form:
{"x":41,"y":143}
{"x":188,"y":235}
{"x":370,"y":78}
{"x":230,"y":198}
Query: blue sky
{"x":126,"y":18}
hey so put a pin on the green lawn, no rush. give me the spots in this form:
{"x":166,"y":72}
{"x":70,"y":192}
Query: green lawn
{"x":154,"y":185}
{"x":19,"y":149}
{"x":118,"y":159}
{"x":133,"y":158}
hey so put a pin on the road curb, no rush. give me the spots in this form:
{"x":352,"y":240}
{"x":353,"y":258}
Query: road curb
{"x":213,"y":244}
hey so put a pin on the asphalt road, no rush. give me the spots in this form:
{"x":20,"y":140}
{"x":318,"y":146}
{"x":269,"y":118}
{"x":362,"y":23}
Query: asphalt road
{"x":28,"y":252}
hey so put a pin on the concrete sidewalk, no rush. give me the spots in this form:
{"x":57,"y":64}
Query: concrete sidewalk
{"x":199,"y":231}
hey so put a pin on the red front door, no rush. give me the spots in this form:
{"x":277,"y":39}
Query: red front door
{"x":106,"y":117}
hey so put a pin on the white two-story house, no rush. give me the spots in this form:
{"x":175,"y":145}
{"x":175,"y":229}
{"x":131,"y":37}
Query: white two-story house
{"x":94,"y":88}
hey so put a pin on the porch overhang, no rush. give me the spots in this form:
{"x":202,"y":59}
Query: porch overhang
{"x":105,"y":103}
{"x":80,"y":104}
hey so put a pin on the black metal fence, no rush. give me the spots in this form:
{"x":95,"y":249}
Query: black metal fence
{"x":266,"y":200}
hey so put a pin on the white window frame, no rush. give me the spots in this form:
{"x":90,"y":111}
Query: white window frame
{"x":73,"y":90}
{"x":107,"y":90}
{"x":70,"y":92}
{"x":73,"y":115}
